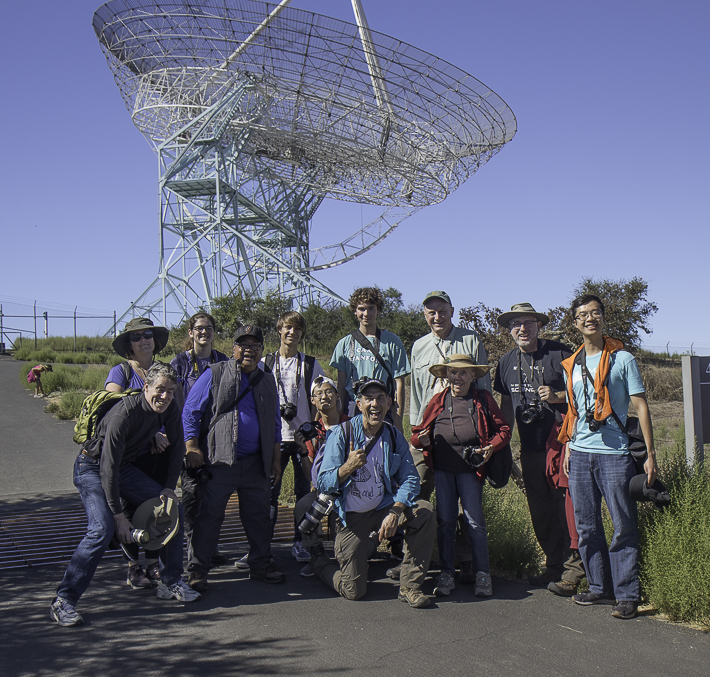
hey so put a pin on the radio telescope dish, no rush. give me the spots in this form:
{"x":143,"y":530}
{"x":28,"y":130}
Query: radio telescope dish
{"x":258,"y":112}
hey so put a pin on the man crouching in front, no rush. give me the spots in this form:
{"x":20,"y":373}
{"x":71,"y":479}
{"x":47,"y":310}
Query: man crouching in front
{"x":369,"y":472}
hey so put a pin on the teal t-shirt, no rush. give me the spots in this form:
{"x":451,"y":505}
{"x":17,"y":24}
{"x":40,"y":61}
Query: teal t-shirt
{"x":624,"y":381}
{"x":350,"y":357}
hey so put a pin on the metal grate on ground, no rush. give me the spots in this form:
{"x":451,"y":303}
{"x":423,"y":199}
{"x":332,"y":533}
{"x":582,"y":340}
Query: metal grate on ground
{"x":50,"y":537}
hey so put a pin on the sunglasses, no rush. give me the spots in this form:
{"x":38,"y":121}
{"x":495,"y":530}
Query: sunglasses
{"x":137,"y":336}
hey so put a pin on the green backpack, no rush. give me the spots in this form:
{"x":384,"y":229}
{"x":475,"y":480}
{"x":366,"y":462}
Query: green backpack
{"x":93,"y":409}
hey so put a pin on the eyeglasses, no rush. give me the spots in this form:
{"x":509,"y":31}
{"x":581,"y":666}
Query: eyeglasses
{"x":138,"y":335}
{"x":518,"y":324}
{"x":256,"y":347}
{"x":596,"y":314}
{"x":203,"y":329}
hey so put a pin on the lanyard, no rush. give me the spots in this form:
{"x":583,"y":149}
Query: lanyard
{"x":196,"y":364}
{"x":471,"y":409}
{"x":533,"y":378}
{"x":277,"y":372}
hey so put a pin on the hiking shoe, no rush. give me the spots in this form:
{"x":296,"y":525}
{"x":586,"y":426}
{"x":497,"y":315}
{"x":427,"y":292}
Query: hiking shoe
{"x":307,"y":571}
{"x":299,"y":552}
{"x":241,"y":563}
{"x":137,"y":579}
{"x":152,"y":573}
{"x":179,"y":591}
{"x":269,"y":575}
{"x":414,"y":597}
{"x":562,"y":588}
{"x":588,"y":598}
{"x":484,"y":586}
{"x":394,"y":572}
{"x":444,"y":585}
{"x":466,"y":575}
{"x":197,"y":580}
{"x":64,"y":613}
{"x":218,"y":559}
{"x":625,"y":610}
{"x":317,"y":551}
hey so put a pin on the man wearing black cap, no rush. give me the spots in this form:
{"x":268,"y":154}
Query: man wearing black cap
{"x":530,"y":379}
{"x":369,"y":471}
{"x":233,"y":427}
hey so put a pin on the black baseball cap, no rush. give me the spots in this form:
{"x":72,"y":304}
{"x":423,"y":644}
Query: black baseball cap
{"x":362,"y":384}
{"x":249,"y":330}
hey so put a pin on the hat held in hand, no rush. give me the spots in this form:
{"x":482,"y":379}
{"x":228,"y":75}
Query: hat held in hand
{"x":160,"y":517}
{"x":640,"y":491}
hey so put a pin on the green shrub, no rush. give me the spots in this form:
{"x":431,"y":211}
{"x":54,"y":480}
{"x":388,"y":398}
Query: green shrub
{"x":68,"y":378}
{"x":70,"y":406}
{"x":675,"y":561}
{"x":512,"y":546}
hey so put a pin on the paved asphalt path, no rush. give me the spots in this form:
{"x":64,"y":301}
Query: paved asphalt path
{"x":299,"y":628}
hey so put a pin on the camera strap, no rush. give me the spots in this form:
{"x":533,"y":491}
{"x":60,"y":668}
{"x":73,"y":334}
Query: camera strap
{"x":277,"y":373}
{"x":196,"y":365}
{"x":535,"y":379}
{"x":375,"y":350}
{"x":449,"y":404}
{"x":347,"y":429}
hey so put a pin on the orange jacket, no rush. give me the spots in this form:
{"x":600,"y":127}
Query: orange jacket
{"x":602,"y":404}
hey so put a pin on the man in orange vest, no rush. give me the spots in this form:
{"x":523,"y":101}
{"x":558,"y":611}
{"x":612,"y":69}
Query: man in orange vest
{"x":601,"y":379}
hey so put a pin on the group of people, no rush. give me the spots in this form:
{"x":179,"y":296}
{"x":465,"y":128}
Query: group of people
{"x":231,"y":425}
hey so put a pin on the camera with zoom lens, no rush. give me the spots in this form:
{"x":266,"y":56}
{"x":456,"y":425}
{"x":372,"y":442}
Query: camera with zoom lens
{"x":310,"y":429}
{"x":531,"y":412}
{"x":592,"y":423}
{"x":318,"y":510}
{"x":473,"y":456}
{"x":288,"y":411}
{"x":139,"y":536}
{"x":199,"y":475}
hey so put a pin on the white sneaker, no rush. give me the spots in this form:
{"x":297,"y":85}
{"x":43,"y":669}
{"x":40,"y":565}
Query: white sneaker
{"x":241,"y":563}
{"x":179,"y":591}
{"x":299,"y":552}
{"x":484,"y":586}
{"x":64,"y":613}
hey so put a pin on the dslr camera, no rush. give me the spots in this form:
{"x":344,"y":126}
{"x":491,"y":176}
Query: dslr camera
{"x":594,"y":425}
{"x":310,"y":429}
{"x":288,"y":411}
{"x":473,"y":456}
{"x":318,"y":510}
{"x":532,"y":411}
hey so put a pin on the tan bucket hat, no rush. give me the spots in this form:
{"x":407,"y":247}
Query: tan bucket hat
{"x":459,"y":361}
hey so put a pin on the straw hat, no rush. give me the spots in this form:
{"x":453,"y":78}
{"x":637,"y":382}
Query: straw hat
{"x":458,"y":361}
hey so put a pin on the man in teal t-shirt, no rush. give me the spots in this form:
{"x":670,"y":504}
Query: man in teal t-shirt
{"x":355,"y":359}
{"x":597,"y":460}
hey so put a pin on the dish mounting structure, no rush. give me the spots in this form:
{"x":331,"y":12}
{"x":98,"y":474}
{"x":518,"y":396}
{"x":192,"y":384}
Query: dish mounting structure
{"x":258,"y":112}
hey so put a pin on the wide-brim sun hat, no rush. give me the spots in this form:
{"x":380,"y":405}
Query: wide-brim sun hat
{"x":521,"y":309}
{"x":459,"y":361}
{"x":160,"y":517}
{"x":640,"y":491}
{"x":160,"y":335}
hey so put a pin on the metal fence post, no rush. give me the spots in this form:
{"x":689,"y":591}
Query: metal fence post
{"x":75,"y":307}
{"x":35,"y":314}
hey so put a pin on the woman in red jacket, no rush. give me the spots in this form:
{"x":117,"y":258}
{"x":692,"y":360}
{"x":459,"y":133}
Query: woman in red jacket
{"x":457,"y":438}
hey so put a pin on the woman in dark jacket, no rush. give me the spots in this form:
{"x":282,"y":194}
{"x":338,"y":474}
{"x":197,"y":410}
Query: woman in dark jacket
{"x":461,"y":429}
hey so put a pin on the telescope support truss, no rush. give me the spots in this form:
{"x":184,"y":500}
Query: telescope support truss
{"x":227,"y":224}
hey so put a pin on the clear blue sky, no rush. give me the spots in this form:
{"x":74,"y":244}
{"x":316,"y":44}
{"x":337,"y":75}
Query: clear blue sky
{"x":607,"y":175}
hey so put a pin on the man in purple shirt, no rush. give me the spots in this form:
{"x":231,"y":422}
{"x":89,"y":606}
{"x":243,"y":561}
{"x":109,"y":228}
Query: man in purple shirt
{"x":232,"y":427}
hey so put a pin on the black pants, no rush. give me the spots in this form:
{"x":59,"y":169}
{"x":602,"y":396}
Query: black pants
{"x":547,"y":510}
{"x":301,"y":484}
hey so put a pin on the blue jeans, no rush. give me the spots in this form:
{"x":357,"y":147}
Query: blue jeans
{"x":610,"y":570}
{"x":136,"y":488}
{"x":301,"y":483}
{"x":450,"y":488}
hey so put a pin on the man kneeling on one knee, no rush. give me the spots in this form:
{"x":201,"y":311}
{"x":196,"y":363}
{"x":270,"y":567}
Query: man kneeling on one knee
{"x":374,"y":483}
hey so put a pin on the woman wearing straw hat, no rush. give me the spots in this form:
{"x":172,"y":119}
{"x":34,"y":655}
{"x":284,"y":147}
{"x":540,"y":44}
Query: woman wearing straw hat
{"x":139,"y":342}
{"x":461,"y":429}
